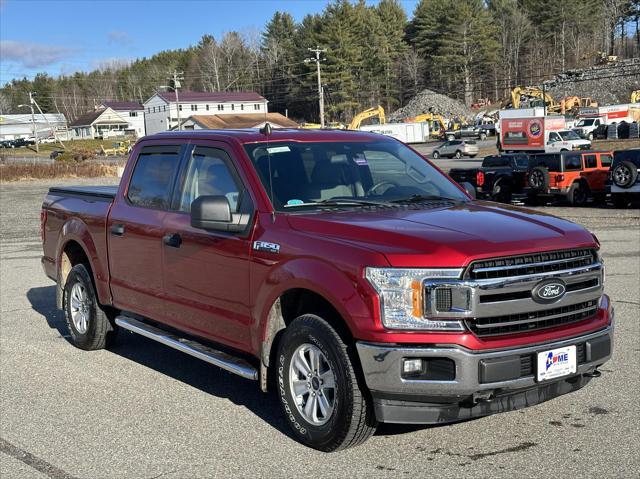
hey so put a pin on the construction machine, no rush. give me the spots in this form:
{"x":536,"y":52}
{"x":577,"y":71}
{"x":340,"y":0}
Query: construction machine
{"x":601,"y":58}
{"x":437,"y":124}
{"x":534,"y":97}
{"x":119,"y":148}
{"x":366,"y":114}
{"x":570,"y":104}
{"x":635,"y":96}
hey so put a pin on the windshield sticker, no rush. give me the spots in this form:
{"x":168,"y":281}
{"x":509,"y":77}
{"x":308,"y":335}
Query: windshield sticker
{"x":294,"y":202}
{"x":360,"y":159}
{"x":278,"y":149}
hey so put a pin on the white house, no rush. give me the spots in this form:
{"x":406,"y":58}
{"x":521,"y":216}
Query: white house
{"x":106,"y":121}
{"x":131,"y":111}
{"x":21,"y":125}
{"x":161,"y":110}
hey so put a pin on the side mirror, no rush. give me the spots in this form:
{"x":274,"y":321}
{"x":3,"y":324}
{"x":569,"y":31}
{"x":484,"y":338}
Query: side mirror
{"x":469,"y":188}
{"x":213,"y":213}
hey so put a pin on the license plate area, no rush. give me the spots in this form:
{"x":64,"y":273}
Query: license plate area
{"x":556,"y":363}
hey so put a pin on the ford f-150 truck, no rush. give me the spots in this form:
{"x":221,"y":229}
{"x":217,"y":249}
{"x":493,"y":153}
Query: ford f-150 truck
{"x":340,"y":269}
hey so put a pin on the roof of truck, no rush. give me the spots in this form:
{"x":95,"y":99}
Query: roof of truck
{"x":253,"y":135}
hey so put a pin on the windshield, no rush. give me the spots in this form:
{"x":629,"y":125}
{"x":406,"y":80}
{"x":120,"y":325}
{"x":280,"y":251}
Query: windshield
{"x":569,"y":135}
{"x":587,"y":122}
{"x":367,"y":172}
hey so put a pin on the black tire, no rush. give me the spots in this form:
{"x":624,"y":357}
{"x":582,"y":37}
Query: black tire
{"x":458,"y":154}
{"x":620,"y":200}
{"x":538,"y":178}
{"x":353,"y":420}
{"x":100,"y":331}
{"x":578,"y":194}
{"x":502,"y":192}
{"x":483,"y":136}
{"x":435,"y":155}
{"x":590,"y":136}
{"x":624,"y":174}
{"x":472,"y":156}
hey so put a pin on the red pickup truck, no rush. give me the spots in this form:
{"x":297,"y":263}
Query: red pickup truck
{"x":341,"y":269}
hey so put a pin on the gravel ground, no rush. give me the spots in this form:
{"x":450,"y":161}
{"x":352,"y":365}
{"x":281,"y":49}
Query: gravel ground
{"x":141,"y":410}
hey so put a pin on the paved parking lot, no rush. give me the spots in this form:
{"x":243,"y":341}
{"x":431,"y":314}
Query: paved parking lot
{"x":141,"y":410}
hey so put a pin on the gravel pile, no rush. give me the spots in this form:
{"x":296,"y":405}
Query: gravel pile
{"x":427,"y":101}
{"x":606,"y":84}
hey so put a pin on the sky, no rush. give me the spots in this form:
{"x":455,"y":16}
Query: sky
{"x":64,"y":36}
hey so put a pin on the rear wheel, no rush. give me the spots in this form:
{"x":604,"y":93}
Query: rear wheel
{"x":483,"y":136}
{"x":502,"y":192}
{"x":578,"y":194}
{"x":89,"y":325}
{"x":319,"y":392}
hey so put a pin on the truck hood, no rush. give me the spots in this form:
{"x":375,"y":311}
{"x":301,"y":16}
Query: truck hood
{"x":449,"y":236}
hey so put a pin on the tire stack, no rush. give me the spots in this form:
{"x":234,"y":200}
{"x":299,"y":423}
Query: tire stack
{"x":634,"y":130}
{"x":612,"y":132}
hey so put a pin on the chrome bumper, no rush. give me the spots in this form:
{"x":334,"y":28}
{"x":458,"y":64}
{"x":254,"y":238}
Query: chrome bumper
{"x":474,"y":387}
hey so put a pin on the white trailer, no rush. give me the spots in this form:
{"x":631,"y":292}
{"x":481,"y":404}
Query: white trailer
{"x":405,"y":132}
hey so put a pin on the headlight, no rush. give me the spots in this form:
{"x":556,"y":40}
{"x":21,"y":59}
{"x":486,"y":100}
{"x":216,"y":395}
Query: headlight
{"x":402,"y":298}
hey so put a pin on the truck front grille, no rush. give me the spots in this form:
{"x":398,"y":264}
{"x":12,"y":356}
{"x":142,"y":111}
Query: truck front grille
{"x":530,"y":264}
{"x":535,"y":320}
{"x":502,"y":298}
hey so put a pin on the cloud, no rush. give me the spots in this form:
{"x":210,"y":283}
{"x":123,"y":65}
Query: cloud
{"x":119,"y":37}
{"x":32,"y":55}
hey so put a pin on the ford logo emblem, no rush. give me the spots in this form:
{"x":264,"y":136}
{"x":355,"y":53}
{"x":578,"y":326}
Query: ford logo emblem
{"x":549,"y":291}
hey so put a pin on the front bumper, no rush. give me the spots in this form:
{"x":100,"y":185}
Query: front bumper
{"x":484,"y":382}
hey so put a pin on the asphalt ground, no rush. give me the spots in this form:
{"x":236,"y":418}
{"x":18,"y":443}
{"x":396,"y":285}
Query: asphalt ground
{"x":141,"y":410}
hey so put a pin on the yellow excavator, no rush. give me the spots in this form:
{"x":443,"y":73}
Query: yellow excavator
{"x":635,"y":96}
{"x":532,"y":93}
{"x":601,"y":58}
{"x":570,"y":104}
{"x":437,"y":124}
{"x":366,"y":114}
{"x":119,"y":148}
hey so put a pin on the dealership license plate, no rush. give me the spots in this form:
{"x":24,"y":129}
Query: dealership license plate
{"x":556,"y":363}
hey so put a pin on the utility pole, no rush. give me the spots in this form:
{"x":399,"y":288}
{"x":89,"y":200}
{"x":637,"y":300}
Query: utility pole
{"x":317,"y":59}
{"x":53,"y":130}
{"x":177,"y":78}
{"x":33,"y":121}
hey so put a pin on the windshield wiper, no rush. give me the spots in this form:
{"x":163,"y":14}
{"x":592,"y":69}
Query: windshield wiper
{"x":421,"y":198}
{"x":337,"y":202}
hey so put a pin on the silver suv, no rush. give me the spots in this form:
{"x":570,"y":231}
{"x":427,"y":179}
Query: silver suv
{"x":456,"y":149}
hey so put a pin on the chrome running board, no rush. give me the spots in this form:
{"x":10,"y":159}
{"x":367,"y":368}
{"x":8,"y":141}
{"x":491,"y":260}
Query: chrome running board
{"x":193,"y":348}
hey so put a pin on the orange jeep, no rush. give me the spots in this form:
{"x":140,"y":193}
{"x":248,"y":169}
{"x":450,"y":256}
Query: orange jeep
{"x":576,"y":175}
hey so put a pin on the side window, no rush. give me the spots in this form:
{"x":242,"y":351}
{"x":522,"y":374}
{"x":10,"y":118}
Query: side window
{"x":572,"y":162}
{"x":606,"y":160}
{"x":152,"y":179}
{"x":590,"y":161}
{"x":209,"y":173}
{"x":554,"y":137}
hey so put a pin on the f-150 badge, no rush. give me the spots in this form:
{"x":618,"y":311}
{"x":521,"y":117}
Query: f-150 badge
{"x":268,"y":247}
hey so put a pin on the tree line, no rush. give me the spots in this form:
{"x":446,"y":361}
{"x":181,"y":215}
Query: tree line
{"x":467,"y":49}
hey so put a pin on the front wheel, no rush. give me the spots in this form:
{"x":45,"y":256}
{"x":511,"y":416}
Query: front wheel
{"x":590,"y":137}
{"x":435,"y":155}
{"x":458,"y":154}
{"x":319,"y":392}
{"x":578,"y":194}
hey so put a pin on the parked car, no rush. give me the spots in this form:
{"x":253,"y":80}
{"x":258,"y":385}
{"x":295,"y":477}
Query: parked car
{"x":576,"y":176}
{"x":498,"y":179}
{"x":456,"y":149}
{"x":467,"y":132}
{"x":624,"y":177}
{"x":340,"y":268}
{"x":586,"y":127}
{"x":6,"y":144}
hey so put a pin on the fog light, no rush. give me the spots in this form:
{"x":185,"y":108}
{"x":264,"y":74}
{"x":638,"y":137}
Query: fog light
{"x":412,"y":366}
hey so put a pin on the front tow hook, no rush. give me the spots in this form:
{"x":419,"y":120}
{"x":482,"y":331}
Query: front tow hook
{"x":593,"y":374}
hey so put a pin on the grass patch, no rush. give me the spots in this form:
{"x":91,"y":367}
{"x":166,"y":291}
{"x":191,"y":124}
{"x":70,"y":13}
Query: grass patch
{"x":59,"y":169}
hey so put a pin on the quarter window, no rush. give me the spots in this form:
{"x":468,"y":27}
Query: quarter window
{"x":572,"y":162}
{"x":590,"y":161}
{"x":606,"y":160}
{"x":209,"y":174}
{"x":152,"y":178}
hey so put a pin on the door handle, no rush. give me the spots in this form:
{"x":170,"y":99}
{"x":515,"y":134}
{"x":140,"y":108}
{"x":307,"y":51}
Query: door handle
{"x":172,"y":239}
{"x":117,"y":229}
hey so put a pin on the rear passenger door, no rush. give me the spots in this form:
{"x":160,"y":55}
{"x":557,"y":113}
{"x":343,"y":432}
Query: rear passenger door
{"x":206,"y":273}
{"x":135,"y":230}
